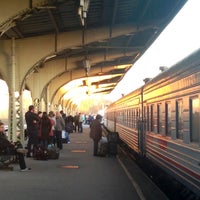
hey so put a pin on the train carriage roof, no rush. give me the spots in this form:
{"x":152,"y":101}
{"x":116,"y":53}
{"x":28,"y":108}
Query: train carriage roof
{"x":182,"y":68}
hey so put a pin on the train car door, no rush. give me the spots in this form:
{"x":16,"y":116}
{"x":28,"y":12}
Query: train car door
{"x":194,"y":120}
{"x":141,"y":126}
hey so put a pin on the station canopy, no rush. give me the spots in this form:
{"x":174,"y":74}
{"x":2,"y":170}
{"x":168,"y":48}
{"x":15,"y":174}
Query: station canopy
{"x":139,"y":23}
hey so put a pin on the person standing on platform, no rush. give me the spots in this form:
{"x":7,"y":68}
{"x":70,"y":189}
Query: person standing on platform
{"x":76,"y":122}
{"x":32,"y":121}
{"x":59,"y":126}
{"x":69,"y":127}
{"x":53,"y":122}
{"x":45,"y":129}
{"x":81,"y":121}
{"x":39,"y":130}
{"x":96,"y":133}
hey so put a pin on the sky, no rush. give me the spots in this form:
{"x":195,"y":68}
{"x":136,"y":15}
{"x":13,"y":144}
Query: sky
{"x":179,"y":39}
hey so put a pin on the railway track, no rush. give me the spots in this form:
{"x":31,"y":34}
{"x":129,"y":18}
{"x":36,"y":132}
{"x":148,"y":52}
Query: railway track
{"x":170,"y":187}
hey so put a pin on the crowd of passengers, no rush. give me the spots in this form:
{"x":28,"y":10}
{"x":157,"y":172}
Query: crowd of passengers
{"x":47,"y":128}
{"x":43,"y":129}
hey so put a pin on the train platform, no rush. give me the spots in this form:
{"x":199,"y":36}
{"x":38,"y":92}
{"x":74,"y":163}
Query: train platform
{"x":78,"y":175}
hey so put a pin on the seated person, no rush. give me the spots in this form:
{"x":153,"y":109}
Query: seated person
{"x":17,"y":147}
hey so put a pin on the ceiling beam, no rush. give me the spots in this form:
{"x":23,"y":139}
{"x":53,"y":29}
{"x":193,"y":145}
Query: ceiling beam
{"x":111,"y":24}
{"x":143,"y":12}
{"x":114,"y":12}
{"x":19,"y":33}
{"x":115,"y":47}
{"x":53,"y":20}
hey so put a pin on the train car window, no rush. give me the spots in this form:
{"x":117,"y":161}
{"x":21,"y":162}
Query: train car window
{"x":144,"y":112}
{"x":148,"y":118}
{"x":159,"y":121}
{"x":120,"y":117}
{"x":168,"y":119}
{"x":131,"y":120}
{"x":179,"y":119}
{"x":145,"y":115}
{"x":134,"y":118}
{"x":137,"y":117}
{"x":194,"y":120}
{"x":113,"y":116}
{"x":152,"y":119}
{"x":126,"y":118}
{"x":138,"y":114}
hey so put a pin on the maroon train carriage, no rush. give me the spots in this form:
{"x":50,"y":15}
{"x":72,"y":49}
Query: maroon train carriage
{"x":161,"y":121}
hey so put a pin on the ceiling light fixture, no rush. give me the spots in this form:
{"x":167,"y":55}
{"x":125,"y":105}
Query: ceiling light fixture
{"x":87,"y":66}
{"x":83,"y":10}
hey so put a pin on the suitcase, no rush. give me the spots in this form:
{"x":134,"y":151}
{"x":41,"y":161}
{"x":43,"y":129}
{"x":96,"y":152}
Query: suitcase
{"x":113,"y":137}
{"x":103,"y":149}
{"x":112,"y":148}
{"x":40,"y":153}
{"x":53,"y":152}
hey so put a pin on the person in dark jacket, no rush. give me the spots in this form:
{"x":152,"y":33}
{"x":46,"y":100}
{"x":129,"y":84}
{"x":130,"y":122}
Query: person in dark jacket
{"x":45,"y":129}
{"x":32,"y":120}
{"x":15,"y":147}
{"x":96,"y":133}
{"x":58,"y":128}
{"x":76,"y":122}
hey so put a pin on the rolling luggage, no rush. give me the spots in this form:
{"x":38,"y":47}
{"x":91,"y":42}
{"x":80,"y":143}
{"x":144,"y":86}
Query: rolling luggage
{"x":113,"y":138}
{"x":40,"y":153}
{"x":112,"y":148}
{"x":103,"y":150}
{"x":53,"y":152}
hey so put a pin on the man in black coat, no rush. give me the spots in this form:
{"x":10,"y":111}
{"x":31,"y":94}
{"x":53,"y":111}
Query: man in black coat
{"x":32,"y":121}
{"x":96,"y":133}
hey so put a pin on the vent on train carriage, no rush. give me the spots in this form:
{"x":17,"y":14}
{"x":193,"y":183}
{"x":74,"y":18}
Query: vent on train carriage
{"x":163,"y":68}
{"x":146,"y":80}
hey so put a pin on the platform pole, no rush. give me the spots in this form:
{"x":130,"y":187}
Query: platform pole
{"x":12,"y":106}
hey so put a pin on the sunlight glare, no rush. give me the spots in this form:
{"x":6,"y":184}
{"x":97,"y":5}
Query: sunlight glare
{"x":178,"y":40}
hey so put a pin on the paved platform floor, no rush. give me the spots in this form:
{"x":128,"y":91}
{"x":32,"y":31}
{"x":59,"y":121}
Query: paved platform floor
{"x":77,"y":175}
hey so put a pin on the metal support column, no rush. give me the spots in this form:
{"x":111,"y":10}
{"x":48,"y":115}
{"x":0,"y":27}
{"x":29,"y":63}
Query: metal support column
{"x":18,"y":112}
{"x":36,"y":103}
{"x":47,"y":99}
{"x":12,"y":106}
{"x":21,"y":119}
